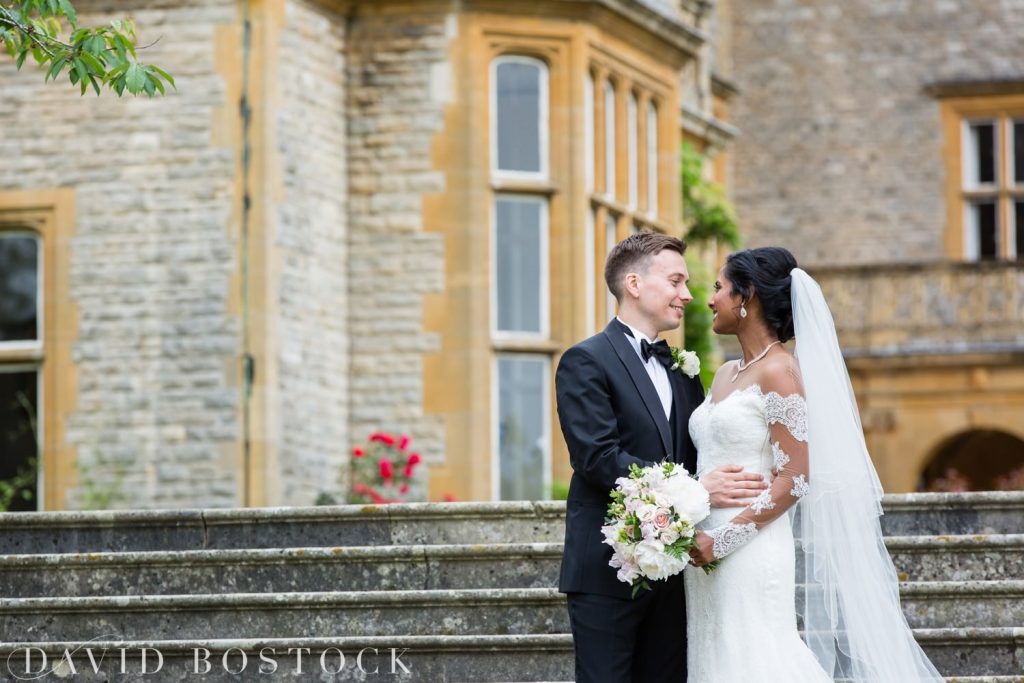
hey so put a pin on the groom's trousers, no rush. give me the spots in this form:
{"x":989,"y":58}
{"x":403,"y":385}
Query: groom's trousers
{"x":642,"y":640}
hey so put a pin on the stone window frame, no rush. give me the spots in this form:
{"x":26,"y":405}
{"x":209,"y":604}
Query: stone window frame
{"x":29,"y":355}
{"x":547,"y":431}
{"x":615,"y":206}
{"x":960,"y":106}
{"x":544,"y":115}
{"x":459,"y":378}
{"x":48,"y":214}
{"x":541,"y":186}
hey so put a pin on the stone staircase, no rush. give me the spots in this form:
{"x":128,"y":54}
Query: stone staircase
{"x":433,"y":592}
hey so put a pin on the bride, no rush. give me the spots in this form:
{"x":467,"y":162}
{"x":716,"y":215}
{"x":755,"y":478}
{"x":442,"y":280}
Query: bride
{"x":795,"y":420}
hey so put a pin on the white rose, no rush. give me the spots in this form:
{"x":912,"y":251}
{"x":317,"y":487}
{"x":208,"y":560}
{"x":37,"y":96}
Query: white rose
{"x":611,"y":532}
{"x":646,"y":512}
{"x":690,"y":363}
{"x":625,"y":551}
{"x":654,"y":563}
{"x":669,"y":536}
{"x":688,"y":498}
{"x":628,"y":572}
{"x":653,"y":476}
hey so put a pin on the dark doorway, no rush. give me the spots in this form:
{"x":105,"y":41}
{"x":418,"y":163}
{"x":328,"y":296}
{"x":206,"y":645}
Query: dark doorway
{"x":978,"y":460}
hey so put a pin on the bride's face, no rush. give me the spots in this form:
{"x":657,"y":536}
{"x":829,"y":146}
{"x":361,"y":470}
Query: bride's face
{"x":725,"y":306}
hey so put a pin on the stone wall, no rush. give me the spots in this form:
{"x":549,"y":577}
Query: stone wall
{"x":840,"y":154}
{"x":151,"y":261}
{"x":309,"y":415}
{"x":396,"y":93}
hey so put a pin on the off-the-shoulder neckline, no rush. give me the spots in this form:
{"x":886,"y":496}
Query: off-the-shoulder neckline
{"x":747,"y":389}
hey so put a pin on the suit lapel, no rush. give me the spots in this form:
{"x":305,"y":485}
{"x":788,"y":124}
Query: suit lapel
{"x":642,"y":381}
{"x":680,"y":409}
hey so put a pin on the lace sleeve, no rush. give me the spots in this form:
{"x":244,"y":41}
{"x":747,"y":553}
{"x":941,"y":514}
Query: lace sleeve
{"x":786,"y":417}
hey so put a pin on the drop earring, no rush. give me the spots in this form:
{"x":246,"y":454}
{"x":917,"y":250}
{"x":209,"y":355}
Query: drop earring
{"x":743,"y":310}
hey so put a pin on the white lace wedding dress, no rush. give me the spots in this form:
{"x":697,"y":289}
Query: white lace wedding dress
{"x":741,"y":618}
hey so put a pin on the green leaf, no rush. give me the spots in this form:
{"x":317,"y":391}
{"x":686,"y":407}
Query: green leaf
{"x":125,"y":44}
{"x":167,"y":77}
{"x":93,"y":64}
{"x":96,"y":45}
{"x":83,"y":74}
{"x":58,"y":64}
{"x":135,"y":78}
{"x":156,"y":83}
{"x":21,"y":58}
{"x":69,"y":11}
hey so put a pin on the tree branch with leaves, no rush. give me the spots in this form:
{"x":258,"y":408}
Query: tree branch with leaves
{"x":98,"y":57}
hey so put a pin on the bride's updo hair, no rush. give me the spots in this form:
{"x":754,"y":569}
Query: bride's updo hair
{"x":765,"y":271}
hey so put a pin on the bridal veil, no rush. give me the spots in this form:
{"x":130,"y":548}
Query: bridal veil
{"x":850,"y":608}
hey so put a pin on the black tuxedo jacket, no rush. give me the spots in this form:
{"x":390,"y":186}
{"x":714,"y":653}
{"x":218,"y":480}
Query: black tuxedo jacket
{"x":611,"y":417}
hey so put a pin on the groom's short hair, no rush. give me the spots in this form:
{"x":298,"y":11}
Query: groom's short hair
{"x":634,"y":254}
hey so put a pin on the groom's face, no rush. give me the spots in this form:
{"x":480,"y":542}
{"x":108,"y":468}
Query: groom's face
{"x":662,"y":293}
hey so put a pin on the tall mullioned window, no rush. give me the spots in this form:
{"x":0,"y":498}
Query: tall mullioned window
{"x":520,"y":296}
{"x":626,"y":148}
{"x":21,"y":355}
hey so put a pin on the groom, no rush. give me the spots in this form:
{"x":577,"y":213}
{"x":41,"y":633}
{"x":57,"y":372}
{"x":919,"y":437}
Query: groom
{"x":620,"y":404}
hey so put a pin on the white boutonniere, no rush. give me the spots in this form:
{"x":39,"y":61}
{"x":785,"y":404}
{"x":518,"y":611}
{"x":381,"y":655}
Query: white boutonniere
{"x":685,"y":361}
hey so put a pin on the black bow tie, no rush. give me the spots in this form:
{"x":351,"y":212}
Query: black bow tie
{"x":659,"y":349}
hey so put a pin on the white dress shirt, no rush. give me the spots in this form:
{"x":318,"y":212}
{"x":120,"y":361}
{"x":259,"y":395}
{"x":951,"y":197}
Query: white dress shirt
{"x":657,"y":371}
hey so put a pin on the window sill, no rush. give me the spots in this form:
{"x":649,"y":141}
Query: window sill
{"x":523,"y":185}
{"x":526,"y":346}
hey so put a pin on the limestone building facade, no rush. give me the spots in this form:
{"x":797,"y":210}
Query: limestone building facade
{"x":352,"y":215}
{"x":362,"y":215}
{"x":883,"y":142}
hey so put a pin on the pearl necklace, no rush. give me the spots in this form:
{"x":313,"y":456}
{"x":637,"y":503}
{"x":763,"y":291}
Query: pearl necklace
{"x":740,"y":367}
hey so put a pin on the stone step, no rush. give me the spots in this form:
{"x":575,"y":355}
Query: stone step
{"x":428,"y":567}
{"x":963,"y":604}
{"x":418,"y":523}
{"x":254,"y":615}
{"x":977,"y":557}
{"x":931,"y":514}
{"x":974,"y":652}
{"x":509,"y":565}
{"x":958,"y":604}
{"x":324,"y":526}
{"x":430,"y":659}
{"x":964,"y":655}
{"x":972,"y":604}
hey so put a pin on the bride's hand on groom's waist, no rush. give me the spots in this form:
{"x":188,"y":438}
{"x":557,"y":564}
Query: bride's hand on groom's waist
{"x":729,"y":486}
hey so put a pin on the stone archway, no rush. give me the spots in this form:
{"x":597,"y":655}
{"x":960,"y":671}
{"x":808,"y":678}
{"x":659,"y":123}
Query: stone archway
{"x":976,"y":460}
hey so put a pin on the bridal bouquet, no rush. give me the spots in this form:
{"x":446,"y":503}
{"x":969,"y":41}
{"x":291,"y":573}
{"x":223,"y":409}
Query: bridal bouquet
{"x":651,"y":522}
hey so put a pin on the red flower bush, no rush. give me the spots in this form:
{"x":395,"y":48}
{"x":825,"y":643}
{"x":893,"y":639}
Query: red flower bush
{"x":382,"y":472}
